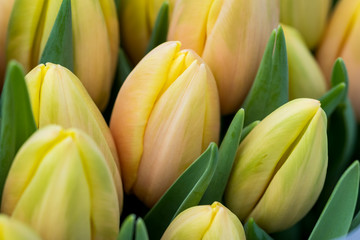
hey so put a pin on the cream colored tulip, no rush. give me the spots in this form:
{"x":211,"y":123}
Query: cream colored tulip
{"x":305,"y":76}
{"x":58,"y":97}
{"x":61,"y":186}
{"x":11,"y":229}
{"x":210,"y":222}
{"x":166,"y":114}
{"x":5,"y":11}
{"x":137,"y":20}
{"x":230,"y":35}
{"x":341,"y":39}
{"x":95,"y":40}
{"x":309,"y":17}
{"x":280,"y":167}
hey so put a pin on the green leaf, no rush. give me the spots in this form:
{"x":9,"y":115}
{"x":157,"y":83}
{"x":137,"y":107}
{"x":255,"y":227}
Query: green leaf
{"x":186,"y":192}
{"x":339,"y":75}
{"x":270,"y":89}
{"x":225,"y":162}
{"x":336,"y":218}
{"x":254,"y":232}
{"x":355,"y":222}
{"x":17,"y":123}
{"x":59,"y":47}
{"x":248,"y":129}
{"x":141,"y":232}
{"x":333,"y":98}
{"x":127,"y":228}
{"x":123,"y":70}
{"x":159,"y":33}
{"x":338,"y":92}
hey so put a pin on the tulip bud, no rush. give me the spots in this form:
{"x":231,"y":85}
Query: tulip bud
{"x":305,"y":76}
{"x":309,"y":17}
{"x":60,"y":184}
{"x":137,"y":20}
{"x":205,"y":222}
{"x":165,"y":115}
{"x":95,"y":40}
{"x":11,"y":229}
{"x":280,"y":167}
{"x":5,"y":11}
{"x":58,"y":97}
{"x":231,"y":37}
{"x":341,"y":39}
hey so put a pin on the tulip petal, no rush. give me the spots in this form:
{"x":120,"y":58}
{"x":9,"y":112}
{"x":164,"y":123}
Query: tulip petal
{"x":131,"y":112}
{"x":174,"y":131}
{"x":305,"y":168}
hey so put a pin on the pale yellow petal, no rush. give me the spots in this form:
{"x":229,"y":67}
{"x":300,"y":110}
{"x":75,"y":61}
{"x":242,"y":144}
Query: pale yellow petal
{"x":262,"y":151}
{"x":301,"y":177}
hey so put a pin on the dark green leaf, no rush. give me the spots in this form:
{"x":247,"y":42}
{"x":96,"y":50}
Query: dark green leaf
{"x":59,"y":47}
{"x":17,"y":123}
{"x":254,"y":232}
{"x":186,"y":192}
{"x":336,"y":218}
{"x":355,"y":222}
{"x":127,"y":228}
{"x":141,"y":232}
{"x":339,"y":75}
{"x":333,"y":98}
{"x":270,"y":89}
{"x":160,"y":30}
{"x":248,"y":129}
{"x":227,"y":153}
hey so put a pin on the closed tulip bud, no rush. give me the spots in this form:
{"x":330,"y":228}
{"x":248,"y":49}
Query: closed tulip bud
{"x":60,"y":185}
{"x":341,"y":39}
{"x":137,"y":20}
{"x":165,"y":115}
{"x":5,"y":11}
{"x":280,"y":167}
{"x":305,"y":76}
{"x":205,"y":222}
{"x":58,"y":97}
{"x":307,"y":16}
{"x":11,"y":229}
{"x":230,"y":35}
{"x":95,"y":40}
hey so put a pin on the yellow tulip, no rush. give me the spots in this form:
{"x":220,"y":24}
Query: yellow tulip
{"x":230,"y":35}
{"x":95,"y":40}
{"x":305,"y":76}
{"x":58,"y":97}
{"x":309,"y":17}
{"x":11,"y":229}
{"x":165,"y":115}
{"x":5,"y":10}
{"x":211,"y":222}
{"x":341,"y":39}
{"x":60,"y":185}
{"x":137,"y":20}
{"x":280,"y":167}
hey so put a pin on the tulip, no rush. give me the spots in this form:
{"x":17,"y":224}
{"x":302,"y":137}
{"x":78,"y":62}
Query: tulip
{"x":231,"y":37}
{"x":309,"y":17}
{"x":205,"y":222}
{"x":60,"y":185}
{"x":95,"y":40}
{"x":341,"y":39}
{"x":58,"y":97}
{"x":280,"y":167}
{"x":11,"y":229}
{"x":305,"y":76}
{"x":137,"y":20}
{"x":165,"y":115}
{"x":5,"y":10}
